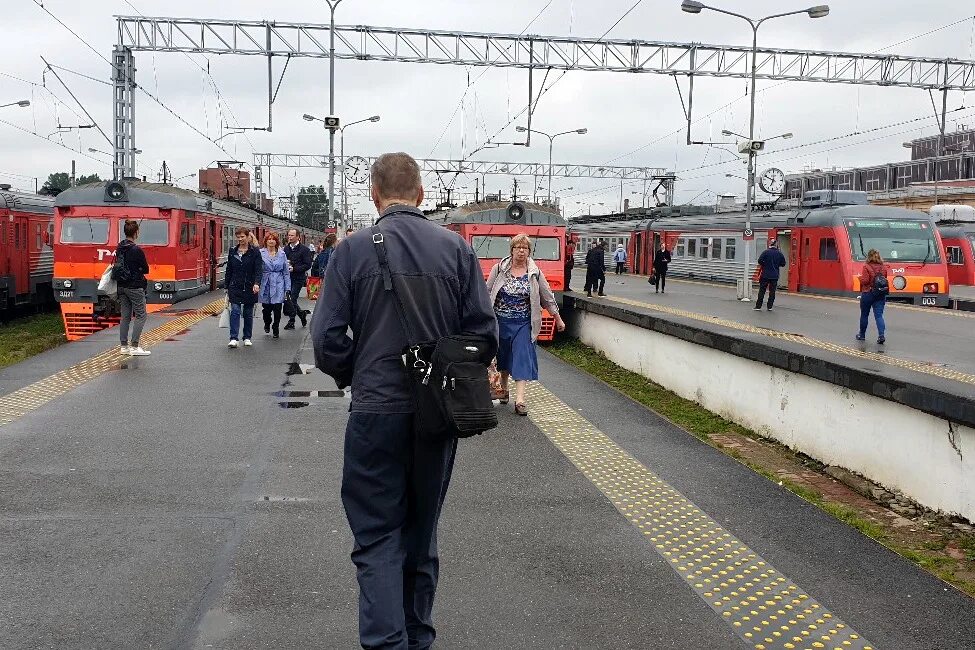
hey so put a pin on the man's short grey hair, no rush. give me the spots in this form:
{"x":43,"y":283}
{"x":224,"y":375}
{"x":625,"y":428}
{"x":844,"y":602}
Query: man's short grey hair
{"x":396,"y":176}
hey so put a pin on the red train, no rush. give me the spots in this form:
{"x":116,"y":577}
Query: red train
{"x":956,"y":224}
{"x":488,"y":227}
{"x":26,"y":257}
{"x":825,"y":242}
{"x":185,"y":236}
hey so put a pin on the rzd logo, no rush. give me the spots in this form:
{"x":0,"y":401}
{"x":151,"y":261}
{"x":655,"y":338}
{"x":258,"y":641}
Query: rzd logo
{"x":103,"y":253}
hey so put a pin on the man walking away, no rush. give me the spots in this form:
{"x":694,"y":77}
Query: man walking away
{"x":770,"y":261}
{"x":394,"y":483}
{"x":594,"y":261}
{"x":299,"y":260}
{"x":660,"y":263}
{"x":132,"y":291}
{"x":620,"y":258}
{"x":570,"y":263}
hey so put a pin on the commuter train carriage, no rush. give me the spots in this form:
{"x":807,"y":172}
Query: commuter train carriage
{"x":185,"y":236}
{"x":488,"y":227}
{"x":825,"y":241}
{"x":26,"y":257}
{"x":956,"y":224}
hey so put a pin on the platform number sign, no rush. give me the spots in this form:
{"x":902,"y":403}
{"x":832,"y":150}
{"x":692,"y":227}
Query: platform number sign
{"x":748,"y":234}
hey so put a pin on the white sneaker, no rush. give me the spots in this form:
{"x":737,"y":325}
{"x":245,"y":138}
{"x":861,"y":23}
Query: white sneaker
{"x":139,"y":352}
{"x":247,"y":343}
{"x":124,"y":350}
{"x":232,"y":344}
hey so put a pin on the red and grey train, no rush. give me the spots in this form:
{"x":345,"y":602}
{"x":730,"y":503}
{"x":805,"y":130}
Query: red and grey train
{"x":956,"y":223}
{"x":185,"y":235}
{"x":26,"y":257}
{"x":825,"y":241}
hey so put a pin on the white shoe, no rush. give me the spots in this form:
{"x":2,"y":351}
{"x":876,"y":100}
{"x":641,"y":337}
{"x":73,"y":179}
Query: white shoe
{"x":139,"y":352}
{"x":247,"y":343}
{"x":232,"y":344}
{"x":125,"y":350}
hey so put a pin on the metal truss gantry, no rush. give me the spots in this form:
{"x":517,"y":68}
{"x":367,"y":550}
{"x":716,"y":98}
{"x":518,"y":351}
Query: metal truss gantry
{"x":366,"y":43}
{"x":479,"y":167}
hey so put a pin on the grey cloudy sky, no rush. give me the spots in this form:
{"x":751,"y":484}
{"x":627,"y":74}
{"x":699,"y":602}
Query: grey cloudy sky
{"x":632,"y":119}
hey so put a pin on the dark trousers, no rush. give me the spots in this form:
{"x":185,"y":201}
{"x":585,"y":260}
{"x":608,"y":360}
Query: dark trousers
{"x":595,"y":280}
{"x":620,"y":268}
{"x":297,"y":284}
{"x":763,"y":285}
{"x":393,"y":489}
{"x":568,"y":278}
{"x":272,"y":315}
{"x":661,"y":279}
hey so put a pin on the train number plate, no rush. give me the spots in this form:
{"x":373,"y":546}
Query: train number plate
{"x":929,"y":301}
{"x":65,"y":295}
{"x":165,"y":296}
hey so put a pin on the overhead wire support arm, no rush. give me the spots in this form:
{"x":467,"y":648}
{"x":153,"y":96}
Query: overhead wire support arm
{"x":368,"y":43}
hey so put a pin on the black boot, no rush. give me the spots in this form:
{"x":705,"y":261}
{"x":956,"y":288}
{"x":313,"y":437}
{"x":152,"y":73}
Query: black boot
{"x":290,"y":325}
{"x":303,"y":315}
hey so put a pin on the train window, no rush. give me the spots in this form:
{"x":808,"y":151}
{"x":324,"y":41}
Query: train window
{"x":492,"y":247}
{"x":37,"y":236}
{"x":704,"y":248}
{"x":194,"y":236}
{"x":3,"y":233}
{"x":904,"y":241}
{"x":716,"y":249}
{"x":152,"y":232}
{"x":84,"y":230}
{"x":681,"y":245}
{"x":827,"y":249}
{"x":691,"y":247}
{"x":187,"y":234}
{"x":954,"y":255}
{"x":729,"y":248}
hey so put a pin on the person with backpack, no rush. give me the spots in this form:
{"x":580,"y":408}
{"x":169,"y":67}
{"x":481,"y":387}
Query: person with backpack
{"x":874,"y":289}
{"x":404,"y":281}
{"x":245,"y":269}
{"x":129,"y":273}
{"x":770,"y":261}
{"x":619,"y":256}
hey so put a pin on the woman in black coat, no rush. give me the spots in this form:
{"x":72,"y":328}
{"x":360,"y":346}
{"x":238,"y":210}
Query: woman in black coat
{"x":660,"y":262}
{"x":243,"y":281}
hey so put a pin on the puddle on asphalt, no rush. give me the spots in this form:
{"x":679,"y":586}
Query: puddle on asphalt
{"x":310,"y":393}
{"x":293,"y":405}
{"x":295,"y":368}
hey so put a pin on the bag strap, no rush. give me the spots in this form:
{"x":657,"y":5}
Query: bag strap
{"x":379,"y":243}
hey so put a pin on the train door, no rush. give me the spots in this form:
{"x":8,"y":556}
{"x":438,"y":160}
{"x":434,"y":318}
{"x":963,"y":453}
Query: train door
{"x":636,"y":262}
{"x":784,"y":239}
{"x":796,"y":260}
{"x":211,"y":252}
{"x":20,"y":259}
{"x":656,"y":247}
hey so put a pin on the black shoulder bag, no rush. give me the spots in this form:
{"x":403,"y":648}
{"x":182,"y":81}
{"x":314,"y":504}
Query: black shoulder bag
{"x":448,"y":377}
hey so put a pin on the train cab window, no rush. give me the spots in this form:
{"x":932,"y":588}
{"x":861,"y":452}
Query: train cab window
{"x":729,"y":248}
{"x":84,"y":230}
{"x":152,"y":232}
{"x":492,"y":247}
{"x":187,"y":234}
{"x":691,"y":247}
{"x":681,"y":246}
{"x":954,"y":255}
{"x":827,"y":249}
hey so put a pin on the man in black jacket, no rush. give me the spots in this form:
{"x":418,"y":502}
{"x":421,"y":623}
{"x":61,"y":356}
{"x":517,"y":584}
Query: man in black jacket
{"x":596,"y":269}
{"x":393,"y":483}
{"x":132,"y":290}
{"x":300,"y":259}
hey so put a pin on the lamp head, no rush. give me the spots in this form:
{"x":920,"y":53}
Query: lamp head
{"x":819,"y":11}
{"x":23,"y":103}
{"x":786,"y":136}
{"x":582,"y":131}
{"x":520,"y":129}
{"x":308,"y":118}
{"x":691,"y":6}
{"x":726,"y":132}
{"x":374,"y":118}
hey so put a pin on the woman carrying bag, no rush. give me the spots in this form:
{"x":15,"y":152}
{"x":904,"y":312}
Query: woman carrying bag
{"x":519,"y":290}
{"x":275,"y":283}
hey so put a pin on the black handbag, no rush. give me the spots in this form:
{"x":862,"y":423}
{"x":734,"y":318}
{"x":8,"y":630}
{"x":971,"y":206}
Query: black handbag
{"x":289,"y":307}
{"x":448,"y":377}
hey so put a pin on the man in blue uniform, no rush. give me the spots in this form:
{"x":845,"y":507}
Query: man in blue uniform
{"x":770,"y":261}
{"x":394,"y":484}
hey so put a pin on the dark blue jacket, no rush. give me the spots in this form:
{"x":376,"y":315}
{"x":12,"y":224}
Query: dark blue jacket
{"x":135,"y":261}
{"x":243,"y":274}
{"x":301,"y":259}
{"x":771,"y":260}
{"x":440,"y":283}
{"x":321,"y":263}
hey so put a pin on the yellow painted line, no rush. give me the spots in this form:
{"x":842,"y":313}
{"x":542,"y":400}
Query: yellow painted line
{"x":916,"y":366}
{"x":763,"y":606}
{"x":29,"y":398}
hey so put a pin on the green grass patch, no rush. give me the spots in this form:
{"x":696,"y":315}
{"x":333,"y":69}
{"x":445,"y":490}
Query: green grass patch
{"x":25,"y":337}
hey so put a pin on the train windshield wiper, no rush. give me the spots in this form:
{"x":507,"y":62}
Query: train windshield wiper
{"x":862,"y":252}
{"x":926,"y":254}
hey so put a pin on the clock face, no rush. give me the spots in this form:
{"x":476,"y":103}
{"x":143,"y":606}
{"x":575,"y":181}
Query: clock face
{"x":357,"y":169}
{"x":772,"y":181}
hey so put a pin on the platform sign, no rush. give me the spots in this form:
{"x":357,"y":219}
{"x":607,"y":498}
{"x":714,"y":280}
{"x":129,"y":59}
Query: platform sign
{"x":748,"y":234}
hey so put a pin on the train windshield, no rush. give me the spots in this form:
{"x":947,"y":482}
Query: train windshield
{"x":495,"y":247}
{"x":897,"y":241}
{"x":84,"y":230}
{"x":152,"y":232}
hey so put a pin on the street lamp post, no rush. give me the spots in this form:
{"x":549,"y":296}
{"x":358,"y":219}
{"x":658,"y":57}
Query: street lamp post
{"x":551,"y":142}
{"x":332,"y":5}
{"x":345,"y":203}
{"x":694,"y":7}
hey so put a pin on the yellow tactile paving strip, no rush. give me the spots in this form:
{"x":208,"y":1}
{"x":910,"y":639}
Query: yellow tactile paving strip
{"x":764,"y":607}
{"x":917,"y":366}
{"x":23,"y":401}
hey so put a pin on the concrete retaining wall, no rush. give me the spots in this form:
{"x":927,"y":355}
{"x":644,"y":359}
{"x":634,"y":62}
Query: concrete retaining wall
{"x":929,"y":459}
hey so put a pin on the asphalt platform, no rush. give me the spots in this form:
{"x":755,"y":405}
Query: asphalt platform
{"x":191,"y":500}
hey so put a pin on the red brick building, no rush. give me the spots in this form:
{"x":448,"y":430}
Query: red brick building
{"x":226,"y":183}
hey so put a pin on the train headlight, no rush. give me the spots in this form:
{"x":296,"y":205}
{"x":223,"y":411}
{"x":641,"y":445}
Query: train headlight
{"x":158,"y":286}
{"x":930,"y":287}
{"x":900,"y":282}
{"x":67,"y":284}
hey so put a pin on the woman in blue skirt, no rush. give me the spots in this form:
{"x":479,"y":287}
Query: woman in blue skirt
{"x":519,"y":290}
